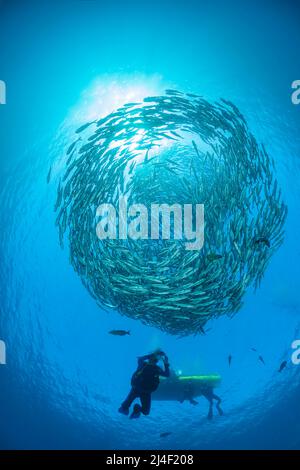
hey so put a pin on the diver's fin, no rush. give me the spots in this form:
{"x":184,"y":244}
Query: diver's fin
{"x":124,"y":411}
{"x":136,"y":412}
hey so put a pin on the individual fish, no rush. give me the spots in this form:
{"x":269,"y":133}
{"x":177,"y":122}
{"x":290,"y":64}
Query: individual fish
{"x":49,"y":175}
{"x":59,"y":196}
{"x":84,"y":126}
{"x":237,"y":248}
{"x":191,"y":95}
{"x":170,"y":91}
{"x":229,"y":359}
{"x":165,"y":434}
{"x":196,"y":148}
{"x":253,"y":349}
{"x":282,"y":366}
{"x":263,"y":240}
{"x":72,"y":146}
{"x":213,"y":256}
{"x":261,"y":359}
{"x":119,"y":332}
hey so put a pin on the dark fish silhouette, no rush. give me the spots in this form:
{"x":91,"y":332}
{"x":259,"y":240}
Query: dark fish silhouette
{"x":196,"y":148}
{"x":85,"y":126}
{"x":49,"y":175}
{"x":213,"y":256}
{"x":229,"y":359}
{"x":119,"y":332}
{"x":282,"y":366}
{"x":165,"y":434}
{"x":253,"y":349}
{"x":72,"y":146}
{"x":263,"y":240}
{"x":261,"y":359}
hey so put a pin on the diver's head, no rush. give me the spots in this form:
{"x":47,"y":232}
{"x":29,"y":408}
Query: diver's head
{"x":153,"y":359}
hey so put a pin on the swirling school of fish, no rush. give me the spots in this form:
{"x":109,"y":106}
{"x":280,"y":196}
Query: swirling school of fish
{"x":174,"y":148}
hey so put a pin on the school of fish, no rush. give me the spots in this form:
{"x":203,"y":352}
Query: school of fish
{"x":174,"y":148}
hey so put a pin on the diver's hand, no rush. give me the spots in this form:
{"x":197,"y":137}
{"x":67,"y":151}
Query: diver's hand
{"x":166,"y":360}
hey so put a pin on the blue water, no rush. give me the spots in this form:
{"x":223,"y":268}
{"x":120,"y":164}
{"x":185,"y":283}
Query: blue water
{"x":65,"y":375}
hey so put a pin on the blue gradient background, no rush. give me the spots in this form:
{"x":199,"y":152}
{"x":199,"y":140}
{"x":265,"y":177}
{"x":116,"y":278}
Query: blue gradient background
{"x":65,"y":376}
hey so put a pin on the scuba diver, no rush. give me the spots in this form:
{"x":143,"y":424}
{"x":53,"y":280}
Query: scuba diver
{"x":189,"y":394}
{"x":144,"y":381}
{"x":209,"y":394}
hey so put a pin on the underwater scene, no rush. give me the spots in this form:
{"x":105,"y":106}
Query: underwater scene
{"x":149,"y":246}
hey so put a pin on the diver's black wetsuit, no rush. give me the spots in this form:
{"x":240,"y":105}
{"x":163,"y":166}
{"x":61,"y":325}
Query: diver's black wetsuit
{"x":211,"y":396}
{"x":144,"y":381}
{"x":188,"y":394}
